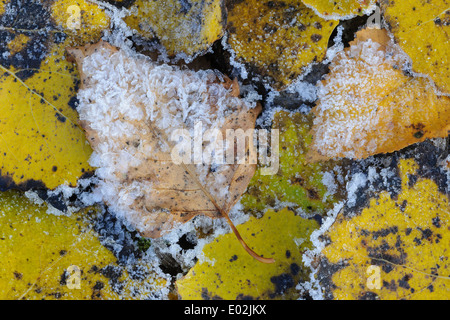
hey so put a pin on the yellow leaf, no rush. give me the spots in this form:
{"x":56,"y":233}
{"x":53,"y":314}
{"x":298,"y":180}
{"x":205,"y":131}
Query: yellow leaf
{"x":188,"y":27}
{"x":339,"y":8}
{"x":37,"y":248}
{"x":80,"y":19}
{"x":396,"y":248}
{"x":17,"y":44}
{"x":422,"y":28}
{"x":41,"y":141}
{"x":136,"y":142}
{"x":45,"y":256}
{"x":368,"y":106}
{"x":295,"y":182}
{"x":2,"y":6}
{"x":225,"y":271}
{"x":277,"y":38}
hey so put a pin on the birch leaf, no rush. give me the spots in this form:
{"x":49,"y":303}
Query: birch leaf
{"x":295,"y":182}
{"x":395,"y":248}
{"x":224,"y":272}
{"x":188,"y":27}
{"x":367,"y":105}
{"x":129,"y":106}
{"x":41,"y":143}
{"x":422,"y":30}
{"x":340,"y":9}
{"x":277,"y":39}
{"x":45,"y":256}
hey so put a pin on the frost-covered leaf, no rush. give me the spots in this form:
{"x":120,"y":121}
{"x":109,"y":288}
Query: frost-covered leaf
{"x":296,"y":183}
{"x":397,"y":247}
{"x":367,"y":105}
{"x":224,"y":271}
{"x":277,"y":39}
{"x":40,"y":139}
{"x":81,"y":20}
{"x":45,"y":256}
{"x":340,"y":9}
{"x":188,"y":27}
{"x":422,"y":29}
{"x":135,"y":112}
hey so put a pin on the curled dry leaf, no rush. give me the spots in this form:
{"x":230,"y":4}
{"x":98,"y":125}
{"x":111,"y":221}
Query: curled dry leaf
{"x":367,"y":105}
{"x":131,"y":108}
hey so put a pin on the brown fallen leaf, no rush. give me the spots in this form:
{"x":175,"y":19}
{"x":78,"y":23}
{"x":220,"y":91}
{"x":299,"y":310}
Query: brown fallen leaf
{"x":367,"y":105}
{"x":130,"y":109}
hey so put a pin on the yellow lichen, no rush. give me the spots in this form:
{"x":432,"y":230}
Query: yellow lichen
{"x":422,"y":28}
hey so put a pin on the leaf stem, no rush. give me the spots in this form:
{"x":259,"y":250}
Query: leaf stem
{"x":231,"y":224}
{"x":246,"y":247}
